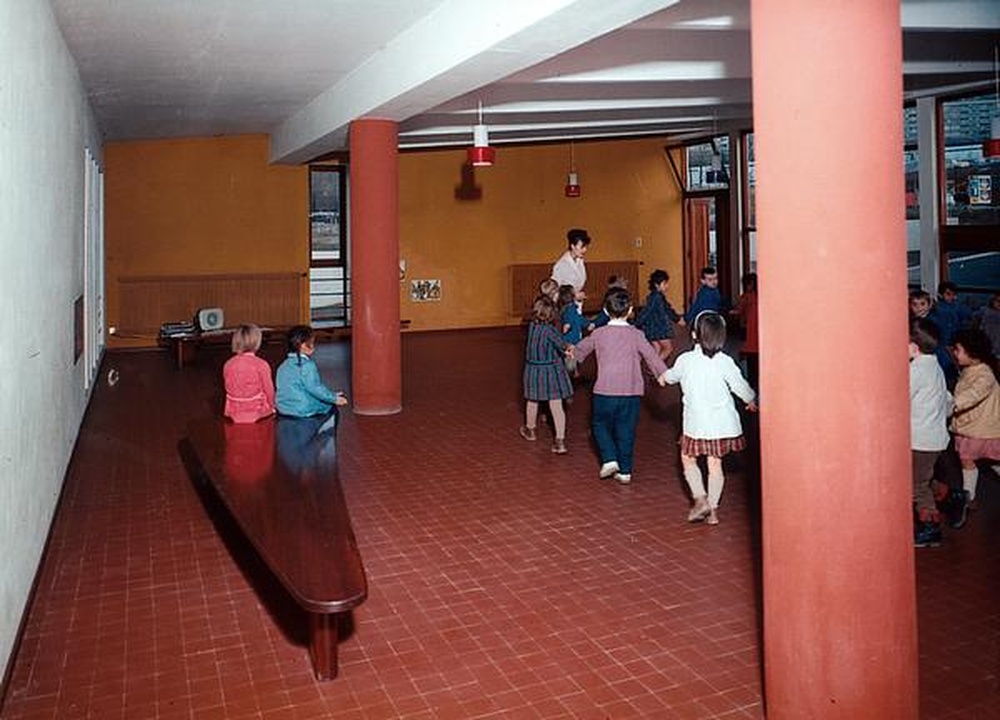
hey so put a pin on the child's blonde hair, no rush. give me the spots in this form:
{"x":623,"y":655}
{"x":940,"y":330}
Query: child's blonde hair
{"x":247,"y":338}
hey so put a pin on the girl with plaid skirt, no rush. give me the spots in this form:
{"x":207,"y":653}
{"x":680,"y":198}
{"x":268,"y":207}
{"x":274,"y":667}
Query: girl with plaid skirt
{"x":545,"y":376}
{"x":709,"y":378}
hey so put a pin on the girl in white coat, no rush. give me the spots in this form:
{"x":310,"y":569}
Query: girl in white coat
{"x":712,"y":428}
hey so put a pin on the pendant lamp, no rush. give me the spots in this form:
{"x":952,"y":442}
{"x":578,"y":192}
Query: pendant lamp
{"x":572,"y":189}
{"x":480,"y":154}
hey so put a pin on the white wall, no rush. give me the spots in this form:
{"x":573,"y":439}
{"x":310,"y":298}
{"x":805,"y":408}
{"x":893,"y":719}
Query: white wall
{"x":45,"y":123}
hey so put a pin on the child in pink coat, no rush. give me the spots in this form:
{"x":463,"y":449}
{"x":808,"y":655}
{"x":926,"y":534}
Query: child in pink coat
{"x":249,"y":387}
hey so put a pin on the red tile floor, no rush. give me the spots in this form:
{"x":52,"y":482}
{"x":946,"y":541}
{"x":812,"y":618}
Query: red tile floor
{"x":504,"y":581}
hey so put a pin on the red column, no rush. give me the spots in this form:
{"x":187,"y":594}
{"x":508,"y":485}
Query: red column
{"x":839,"y":595}
{"x":375,"y":341}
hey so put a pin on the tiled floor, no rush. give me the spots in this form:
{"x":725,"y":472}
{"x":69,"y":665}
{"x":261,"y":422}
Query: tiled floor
{"x":504,"y":581}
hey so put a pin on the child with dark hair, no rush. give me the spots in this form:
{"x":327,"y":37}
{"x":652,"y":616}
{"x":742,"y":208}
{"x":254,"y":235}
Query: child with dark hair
{"x":247,"y":377}
{"x":657,"y":318}
{"x":949,"y":314}
{"x":930,"y":406}
{"x":300,"y":389}
{"x":976,"y":422}
{"x":712,"y":428}
{"x":545,"y":376}
{"x":746,"y":311}
{"x":922,"y":306}
{"x":708,"y":296}
{"x":602,"y":318}
{"x":620,"y":349}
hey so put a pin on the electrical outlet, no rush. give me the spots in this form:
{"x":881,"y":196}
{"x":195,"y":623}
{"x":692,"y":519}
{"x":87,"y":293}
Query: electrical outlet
{"x":638,"y":242}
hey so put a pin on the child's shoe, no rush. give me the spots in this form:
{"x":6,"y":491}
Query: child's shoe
{"x":528,"y":433}
{"x":958,"y":508}
{"x":927,"y":534}
{"x":623,"y":478}
{"x":700,"y":511}
{"x":559,"y":446}
{"x":608,"y":469}
{"x":712,"y":518}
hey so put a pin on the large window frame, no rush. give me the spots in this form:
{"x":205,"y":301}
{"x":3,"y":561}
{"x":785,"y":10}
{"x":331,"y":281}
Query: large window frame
{"x":958,"y":240}
{"x":329,"y":267}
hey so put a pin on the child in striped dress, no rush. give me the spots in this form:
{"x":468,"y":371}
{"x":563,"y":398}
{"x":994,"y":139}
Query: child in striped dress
{"x":708,"y":379}
{"x":545,"y":376}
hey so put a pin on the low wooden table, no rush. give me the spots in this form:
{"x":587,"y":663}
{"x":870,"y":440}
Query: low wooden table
{"x":184,"y":347}
{"x":278,"y":480}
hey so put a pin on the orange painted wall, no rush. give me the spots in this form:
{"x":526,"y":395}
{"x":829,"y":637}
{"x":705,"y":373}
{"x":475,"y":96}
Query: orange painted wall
{"x":215,"y":205}
{"x":201,"y":206}
{"x":521,"y":216}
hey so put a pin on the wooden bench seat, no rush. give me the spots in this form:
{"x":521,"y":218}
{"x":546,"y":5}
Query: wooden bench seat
{"x":278,"y":480}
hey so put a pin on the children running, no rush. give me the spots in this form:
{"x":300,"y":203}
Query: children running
{"x":708,"y":378}
{"x":545,"y":376}
{"x":708,"y":296}
{"x":976,"y":422}
{"x":657,"y":318}
{"x":930,"y":406}
{"x":618,"y":390}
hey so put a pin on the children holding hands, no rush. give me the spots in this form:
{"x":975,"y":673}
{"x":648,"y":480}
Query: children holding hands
{"x":620,"y":350}
{"x":708,"y":379}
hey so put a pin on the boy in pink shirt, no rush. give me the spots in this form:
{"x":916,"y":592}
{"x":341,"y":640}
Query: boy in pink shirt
{"x":621,"y":349}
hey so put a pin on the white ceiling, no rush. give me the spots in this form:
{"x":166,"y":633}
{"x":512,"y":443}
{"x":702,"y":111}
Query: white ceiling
{"x":301,"y":70}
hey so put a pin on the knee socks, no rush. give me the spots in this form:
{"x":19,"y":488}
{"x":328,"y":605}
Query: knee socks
{"x":969,"y":480}
{"x":715,"y":483}
{"x":692,"y":474}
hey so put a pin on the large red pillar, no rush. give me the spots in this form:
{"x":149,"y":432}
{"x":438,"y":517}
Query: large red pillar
{"x":839,"y":595}
{"x":375,"y":342}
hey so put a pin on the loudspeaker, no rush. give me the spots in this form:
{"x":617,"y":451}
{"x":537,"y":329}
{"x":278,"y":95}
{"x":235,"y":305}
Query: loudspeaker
{"x":210,"y":319}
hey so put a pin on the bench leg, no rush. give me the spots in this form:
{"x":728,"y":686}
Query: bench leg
{"x":323,"y":645}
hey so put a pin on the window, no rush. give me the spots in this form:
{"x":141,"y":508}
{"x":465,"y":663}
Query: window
{"x":749,"y":205}
{"x":911,"y":171}
{"x":973,"y":182}
{"x":971,"y":198}
{"x":91,"y":309}
{"x":329,"y":279}
{"x":708,"y":164}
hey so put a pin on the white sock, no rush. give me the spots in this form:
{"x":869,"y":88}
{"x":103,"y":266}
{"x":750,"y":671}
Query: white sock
{"x":715,"y":483}
{"x":693,"y":476}
{"x":970,"y":479}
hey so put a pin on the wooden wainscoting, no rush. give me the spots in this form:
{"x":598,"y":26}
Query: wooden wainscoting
{"x":272,"y":299}
{"x":525,"y":278}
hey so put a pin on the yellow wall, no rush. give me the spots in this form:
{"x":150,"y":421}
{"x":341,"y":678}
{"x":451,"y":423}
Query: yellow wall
{"x":522,"y":217}
{"x":201,"y":206}
{"x":214,"y":205}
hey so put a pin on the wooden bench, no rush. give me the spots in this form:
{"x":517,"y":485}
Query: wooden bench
{"x":278,"y":480}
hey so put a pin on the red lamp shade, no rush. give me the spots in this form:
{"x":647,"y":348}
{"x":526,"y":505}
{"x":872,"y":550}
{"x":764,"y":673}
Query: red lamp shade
{"x":481,"y":154}
{"x":572,"y":186}
{"x":991,"y":148}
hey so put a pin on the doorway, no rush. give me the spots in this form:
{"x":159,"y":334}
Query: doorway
{"x":706,"y":239}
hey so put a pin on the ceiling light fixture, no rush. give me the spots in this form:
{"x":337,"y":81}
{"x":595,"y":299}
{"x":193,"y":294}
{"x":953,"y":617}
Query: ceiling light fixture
{"x":991,"y":147}
{"x":481,"y":154}
{"x":572,"y":179}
